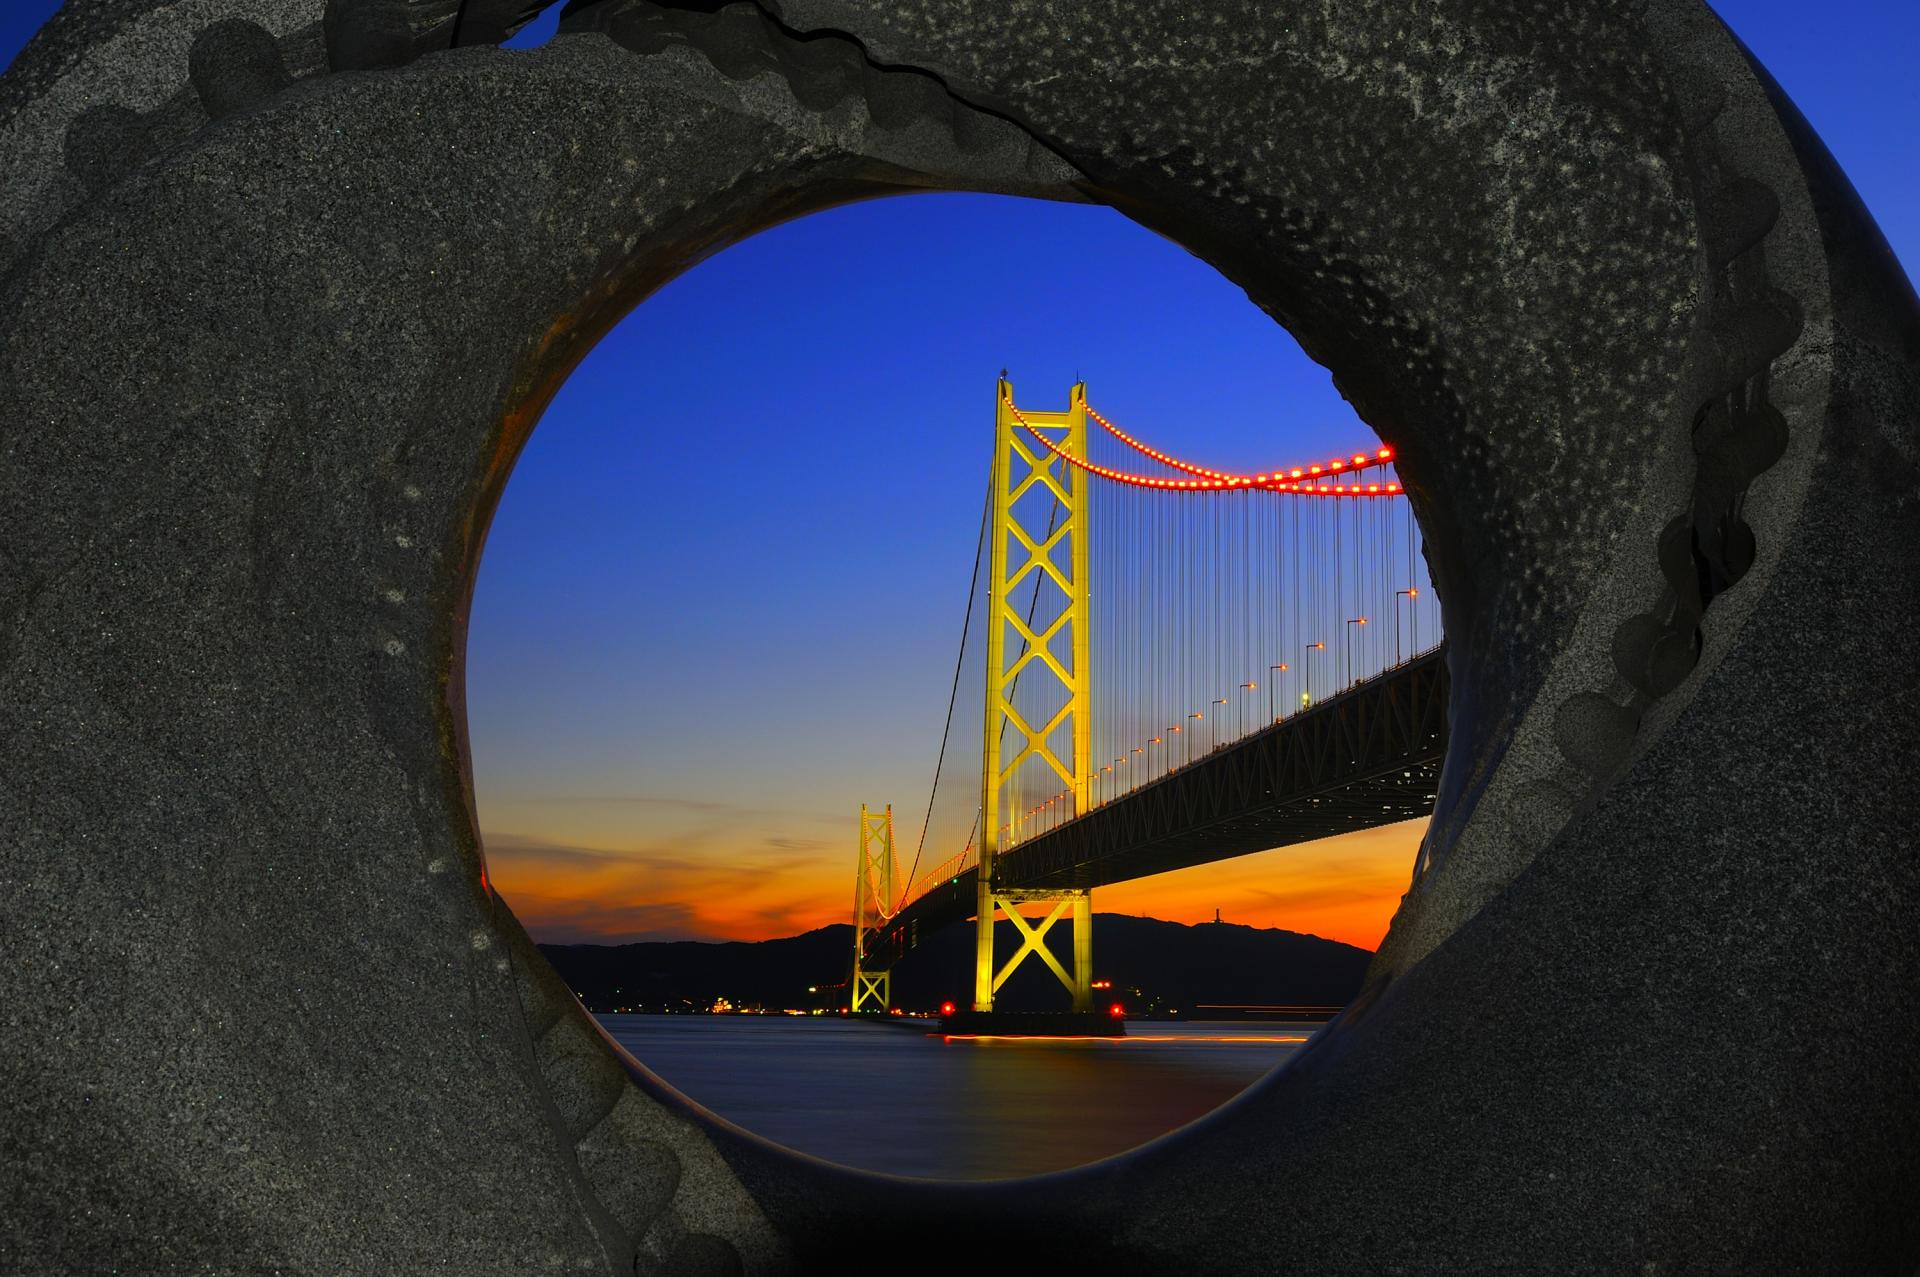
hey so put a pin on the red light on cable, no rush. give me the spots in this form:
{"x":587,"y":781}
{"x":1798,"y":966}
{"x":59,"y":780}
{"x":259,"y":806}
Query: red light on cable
{"x":946,"y":1008}
{"x":1210,"y":480}
{"x":1117,"y":1011}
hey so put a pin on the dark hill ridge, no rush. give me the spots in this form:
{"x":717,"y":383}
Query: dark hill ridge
{"x":1167,"y":964}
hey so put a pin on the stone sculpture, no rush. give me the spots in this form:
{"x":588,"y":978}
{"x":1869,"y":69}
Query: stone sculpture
{"x":286,"y":284}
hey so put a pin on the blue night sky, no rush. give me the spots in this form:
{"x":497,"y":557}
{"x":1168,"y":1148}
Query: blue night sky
{"x":720,"y":600}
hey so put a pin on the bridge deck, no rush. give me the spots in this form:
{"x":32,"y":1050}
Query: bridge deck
{"x":1368,"y":757}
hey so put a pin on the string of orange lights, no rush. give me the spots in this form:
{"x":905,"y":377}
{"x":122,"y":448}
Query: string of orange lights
{"x":1337,"y":465}
{"x":1306,"y":481}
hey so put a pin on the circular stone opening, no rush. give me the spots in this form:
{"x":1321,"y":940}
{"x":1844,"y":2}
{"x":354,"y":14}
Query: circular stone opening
{"x":720,"y":610}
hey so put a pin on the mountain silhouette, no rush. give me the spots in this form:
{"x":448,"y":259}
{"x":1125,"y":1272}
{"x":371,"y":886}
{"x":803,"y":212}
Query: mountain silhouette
{"x":1152,"y":966}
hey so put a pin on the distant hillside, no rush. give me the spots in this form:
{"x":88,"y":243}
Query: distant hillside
{"x":1167,"y":965}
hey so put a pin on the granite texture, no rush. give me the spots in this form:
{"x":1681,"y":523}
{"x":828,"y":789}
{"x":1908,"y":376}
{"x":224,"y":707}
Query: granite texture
{"x":286,"y":283}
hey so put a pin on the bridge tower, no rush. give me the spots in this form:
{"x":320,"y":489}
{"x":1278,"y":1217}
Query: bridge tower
{"x":873,"y":905}
{"x":1056,"y":651}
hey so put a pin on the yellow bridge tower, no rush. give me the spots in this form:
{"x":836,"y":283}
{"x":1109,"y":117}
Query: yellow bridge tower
{"x":873,"y":905}
{"x":1056,"y":650}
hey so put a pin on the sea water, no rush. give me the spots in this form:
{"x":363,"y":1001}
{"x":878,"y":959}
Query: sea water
{"x":907,"y":1101}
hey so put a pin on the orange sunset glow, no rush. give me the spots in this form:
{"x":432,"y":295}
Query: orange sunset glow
{"x":1343,"y":888}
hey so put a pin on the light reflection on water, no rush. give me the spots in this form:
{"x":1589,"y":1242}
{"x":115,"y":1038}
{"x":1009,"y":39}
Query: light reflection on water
{"x":885,"y":1098}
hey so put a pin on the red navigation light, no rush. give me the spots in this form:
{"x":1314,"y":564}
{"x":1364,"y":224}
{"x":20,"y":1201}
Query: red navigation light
{"x":1117,"y":1011}
{"x":946,"y":1008}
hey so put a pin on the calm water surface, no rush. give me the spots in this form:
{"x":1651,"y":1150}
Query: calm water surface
{"x":887,"y":1098}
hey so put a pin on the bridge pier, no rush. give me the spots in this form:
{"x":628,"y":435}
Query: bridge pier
{"x":1033,"y":1024}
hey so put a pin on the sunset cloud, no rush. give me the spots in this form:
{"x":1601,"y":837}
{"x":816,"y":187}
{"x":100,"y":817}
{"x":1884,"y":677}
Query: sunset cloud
{"x":566,"y":893}
{"x":798,"y":844}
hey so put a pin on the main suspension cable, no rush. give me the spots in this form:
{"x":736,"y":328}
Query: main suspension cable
{"x":1337,"y":465}
{"x":953,"y":696}
{"x":1316,"y":486}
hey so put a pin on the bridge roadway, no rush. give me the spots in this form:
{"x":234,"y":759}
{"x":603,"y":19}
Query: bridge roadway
{"x":1367,"y":757}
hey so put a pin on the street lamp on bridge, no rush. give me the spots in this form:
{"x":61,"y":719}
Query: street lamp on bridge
{"x":1248,"y":686}
{"x":1409,"y":594}
{"x":1358,"y":620}
{"x":1195,"y":715}
{"x":1273,"y":686}
{"x":1306,"y":697}
{"x":1214,"y":736}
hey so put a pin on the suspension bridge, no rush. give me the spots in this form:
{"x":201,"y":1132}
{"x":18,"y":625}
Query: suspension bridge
{"x":1178,"y":664}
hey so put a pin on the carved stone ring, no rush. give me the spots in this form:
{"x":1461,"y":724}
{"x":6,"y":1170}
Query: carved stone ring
{"x":287,"y":283}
